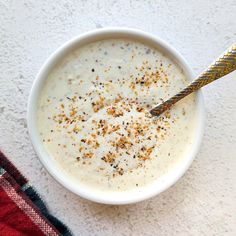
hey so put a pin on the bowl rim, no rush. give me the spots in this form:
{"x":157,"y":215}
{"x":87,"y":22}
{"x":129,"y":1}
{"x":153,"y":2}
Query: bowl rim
{"x":113,"y":197}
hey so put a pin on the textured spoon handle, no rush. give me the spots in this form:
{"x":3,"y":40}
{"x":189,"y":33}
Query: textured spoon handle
{"x":222,"y":66}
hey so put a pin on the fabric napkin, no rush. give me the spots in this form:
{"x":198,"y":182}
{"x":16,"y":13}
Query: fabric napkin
{"x":22,"y":211}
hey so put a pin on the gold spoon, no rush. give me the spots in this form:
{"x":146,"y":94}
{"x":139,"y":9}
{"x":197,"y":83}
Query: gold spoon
{"x":221,"y":67}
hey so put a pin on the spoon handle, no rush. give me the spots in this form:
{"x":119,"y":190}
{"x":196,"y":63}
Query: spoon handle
{"x":221,"y":67}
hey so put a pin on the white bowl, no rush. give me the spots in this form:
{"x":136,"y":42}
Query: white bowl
{"x":126,"y":197}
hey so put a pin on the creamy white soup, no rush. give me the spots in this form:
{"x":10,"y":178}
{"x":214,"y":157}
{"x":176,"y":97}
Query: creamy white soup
{"x":94,"y":120}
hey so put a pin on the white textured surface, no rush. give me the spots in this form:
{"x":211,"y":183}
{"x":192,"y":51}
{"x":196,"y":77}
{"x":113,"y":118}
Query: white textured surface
{"x":203,"y":202}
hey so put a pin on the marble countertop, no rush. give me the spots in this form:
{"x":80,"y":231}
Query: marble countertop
{"x":203,"y":202}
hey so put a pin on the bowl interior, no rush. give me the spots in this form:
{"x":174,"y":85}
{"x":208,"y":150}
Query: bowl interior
{"x":53,"y":168}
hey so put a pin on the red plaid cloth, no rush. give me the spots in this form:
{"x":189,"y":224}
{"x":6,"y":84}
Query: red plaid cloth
{"x":22,"y":211}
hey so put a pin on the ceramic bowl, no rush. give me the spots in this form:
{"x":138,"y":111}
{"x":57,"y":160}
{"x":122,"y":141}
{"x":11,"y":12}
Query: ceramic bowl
{"x":126,"y":197}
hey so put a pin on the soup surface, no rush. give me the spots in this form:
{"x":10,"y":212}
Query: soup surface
{"x":94,"y":121}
